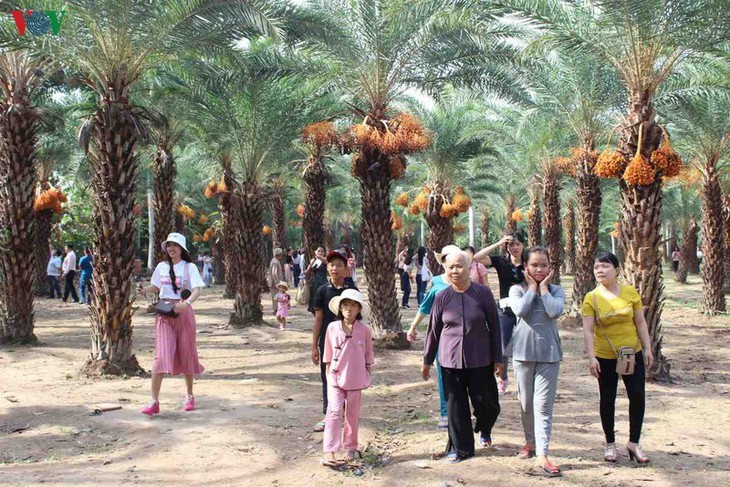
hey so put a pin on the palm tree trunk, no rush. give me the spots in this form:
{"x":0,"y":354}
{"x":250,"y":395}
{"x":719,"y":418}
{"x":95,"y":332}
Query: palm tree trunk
{"x":278,"y":213}
{"x":534,"y":225}
{"x":248,"y":219}
{"x":688,"y":251}
{"x":18,"y":145}
{"x":484,"y":227}
{"x":379,"y":247}
{"x":713,"y":279}
{"x":316,"y":179}
{"x":640,"y":230}
{"x":511,"y":205}
{"x":553,"y":224}
{"x":440,"y":229}
{"x":570,"y":239}
{"x":589,"y":199}
{"x":726,"y":238}
{"x":114,"y":163}
{"x":163,"y":194}
{"x":228,"y":225}
{"x":42,"y":241}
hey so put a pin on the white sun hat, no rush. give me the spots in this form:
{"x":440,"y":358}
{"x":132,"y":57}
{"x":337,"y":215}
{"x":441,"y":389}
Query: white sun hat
{"x":175,"y":238}
{"x":352,"y":295}
{"x":450,"y":249}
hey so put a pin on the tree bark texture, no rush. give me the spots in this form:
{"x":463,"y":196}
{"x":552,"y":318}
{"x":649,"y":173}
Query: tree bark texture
{"x":688,"y":250}
{"x":278,"y":216}
{"x":553,"y":223}
{"x":713,"y":260}
{"x":316,"y":180}
{"x":570,"y":239}
{"x":44,"y":224}
{"x":164,"y":172}
{"x":440,"y":229}
{"x":228,"y":225}
{"x":534,"y":224}
{"x":484,"y":227}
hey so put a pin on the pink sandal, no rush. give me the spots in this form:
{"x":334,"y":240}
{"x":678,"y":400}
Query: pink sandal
{"x":152,"y":409}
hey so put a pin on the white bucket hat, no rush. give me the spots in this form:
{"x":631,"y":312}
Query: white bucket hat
{"x":450,"y":249}
{"x":352,"y":295}
{"x":175,"y":238}
{"x":283,"y":284}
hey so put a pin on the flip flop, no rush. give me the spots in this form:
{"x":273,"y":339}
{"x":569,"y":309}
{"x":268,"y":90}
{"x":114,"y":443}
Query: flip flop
{"x":319,"y":427}
{"x":330,"y":463}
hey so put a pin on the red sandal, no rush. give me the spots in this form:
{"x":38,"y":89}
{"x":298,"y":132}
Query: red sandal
{"x":550,"y":470}
{"x":527,"y":451}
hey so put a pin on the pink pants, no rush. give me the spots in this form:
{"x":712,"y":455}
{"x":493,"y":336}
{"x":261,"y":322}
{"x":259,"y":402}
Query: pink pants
{"x":339,"y":401}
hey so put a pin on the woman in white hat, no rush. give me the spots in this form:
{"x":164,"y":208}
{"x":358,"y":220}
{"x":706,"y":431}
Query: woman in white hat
{"x":175,"y":348}
{"x":348,"y":353}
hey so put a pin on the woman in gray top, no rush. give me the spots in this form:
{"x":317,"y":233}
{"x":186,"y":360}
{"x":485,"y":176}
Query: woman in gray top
{"x":536,"y":353}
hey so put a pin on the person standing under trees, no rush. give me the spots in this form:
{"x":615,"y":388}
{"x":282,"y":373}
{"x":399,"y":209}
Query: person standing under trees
{"x":53,"y":271}
{"x":510,"y":271}
{"x":536,"y":354}
{"x":613,"y":318}
{"x":175,"y":348}
{"x":274,"y":275}
{"x":289,"y":267}
{"x":69,"y":274}
{"x":405,"y":266}
{"x":86,"y":266}
{"x":350,"y":271}
{"x":323,"y":316}
{"x":316,"y":275}
{"x":477,"y":271}
{"x":464,"y":331}
{"x":296,"y":266}
{"x":420,"y":282}
{"x":207,"y":269}
{"x":676,"y":255}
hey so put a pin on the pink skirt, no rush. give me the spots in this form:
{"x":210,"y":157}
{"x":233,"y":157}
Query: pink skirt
{"x":282,"y":311}
{"x":175,"y":349}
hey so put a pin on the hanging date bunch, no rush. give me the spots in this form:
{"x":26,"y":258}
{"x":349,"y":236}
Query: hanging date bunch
{"x":397,"y":221}
{"x":459,"y":203}
{"x":517,"y":216}
{"x":187,"y":212}
{"x":215,"y":189}
{"x":403,"y":134}
{"x":640,"y":171}
{"x":322,"y":134}
{"x":50,"y":199}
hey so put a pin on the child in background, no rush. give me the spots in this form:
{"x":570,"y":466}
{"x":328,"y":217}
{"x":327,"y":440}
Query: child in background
{"x":283,"y":298}
{"x":348,"y":353}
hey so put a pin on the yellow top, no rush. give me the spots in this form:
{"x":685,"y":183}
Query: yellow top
{"x":617,"y":317}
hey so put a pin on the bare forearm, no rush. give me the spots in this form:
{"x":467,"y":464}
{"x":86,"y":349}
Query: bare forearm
{"x":316,"y":330}
{"x":588,"y":337}
{"x":417,"y":320}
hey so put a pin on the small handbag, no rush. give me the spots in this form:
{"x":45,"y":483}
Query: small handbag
{"x":625,"y":356}
{"x":167,"y":308}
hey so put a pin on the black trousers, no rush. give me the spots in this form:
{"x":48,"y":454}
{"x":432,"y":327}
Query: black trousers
{"x":635,"y":390}
{"x":323,"y":375}
{"x":297,"y":272}
{"x":70,"y":287}
{"x":405,"y":286}
{"x":461,"y":385}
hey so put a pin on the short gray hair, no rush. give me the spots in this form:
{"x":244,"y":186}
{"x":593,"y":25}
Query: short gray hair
{"x":277,"y":252}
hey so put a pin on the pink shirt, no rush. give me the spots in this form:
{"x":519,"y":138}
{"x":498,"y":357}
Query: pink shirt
{"x":349,"y":356}
{"x":477,"y":271}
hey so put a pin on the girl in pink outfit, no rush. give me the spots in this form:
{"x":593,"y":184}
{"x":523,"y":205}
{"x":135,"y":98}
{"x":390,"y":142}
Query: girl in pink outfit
{"x":283,"y":298}
{"x":348,"y":353}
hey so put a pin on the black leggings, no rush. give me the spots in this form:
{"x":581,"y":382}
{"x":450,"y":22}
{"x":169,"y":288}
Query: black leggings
{"x":607,"y":384}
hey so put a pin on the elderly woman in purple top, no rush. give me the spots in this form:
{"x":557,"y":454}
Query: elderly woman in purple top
{"x":464,"y":330}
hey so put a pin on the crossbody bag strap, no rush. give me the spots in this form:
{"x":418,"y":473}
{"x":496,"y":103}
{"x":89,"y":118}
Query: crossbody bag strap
{"x":598,"y":320}
{"x":186,"y":276}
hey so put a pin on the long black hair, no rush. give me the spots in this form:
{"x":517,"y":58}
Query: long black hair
{"x":184,"y":255}
{"x":409,"y":256}
{"x":421,"y":254}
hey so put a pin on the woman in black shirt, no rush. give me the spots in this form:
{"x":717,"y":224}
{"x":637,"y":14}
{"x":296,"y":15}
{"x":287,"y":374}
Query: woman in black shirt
{"x":510,"y":271}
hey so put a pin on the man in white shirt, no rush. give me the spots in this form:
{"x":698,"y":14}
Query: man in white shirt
{"x":53,"y":271}
{"x":69,"y":273}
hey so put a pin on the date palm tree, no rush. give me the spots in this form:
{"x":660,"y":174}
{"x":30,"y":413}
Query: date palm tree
{"x":645,"y":41}
{"x":376,"y":50}
{"x":20,"y":78}
{"x":107,"y":47}
{"x":704,"y":128}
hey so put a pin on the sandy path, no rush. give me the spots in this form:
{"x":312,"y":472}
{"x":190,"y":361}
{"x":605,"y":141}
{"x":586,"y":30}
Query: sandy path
{"x":260,"y":396}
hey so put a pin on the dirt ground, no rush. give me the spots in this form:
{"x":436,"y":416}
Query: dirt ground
{"x":260,"y":396}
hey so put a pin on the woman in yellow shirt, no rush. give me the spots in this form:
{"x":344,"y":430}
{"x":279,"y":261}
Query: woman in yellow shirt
{"x":621,"y":315}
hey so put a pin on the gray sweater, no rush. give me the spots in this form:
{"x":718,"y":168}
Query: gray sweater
{"x":535,"y":337}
